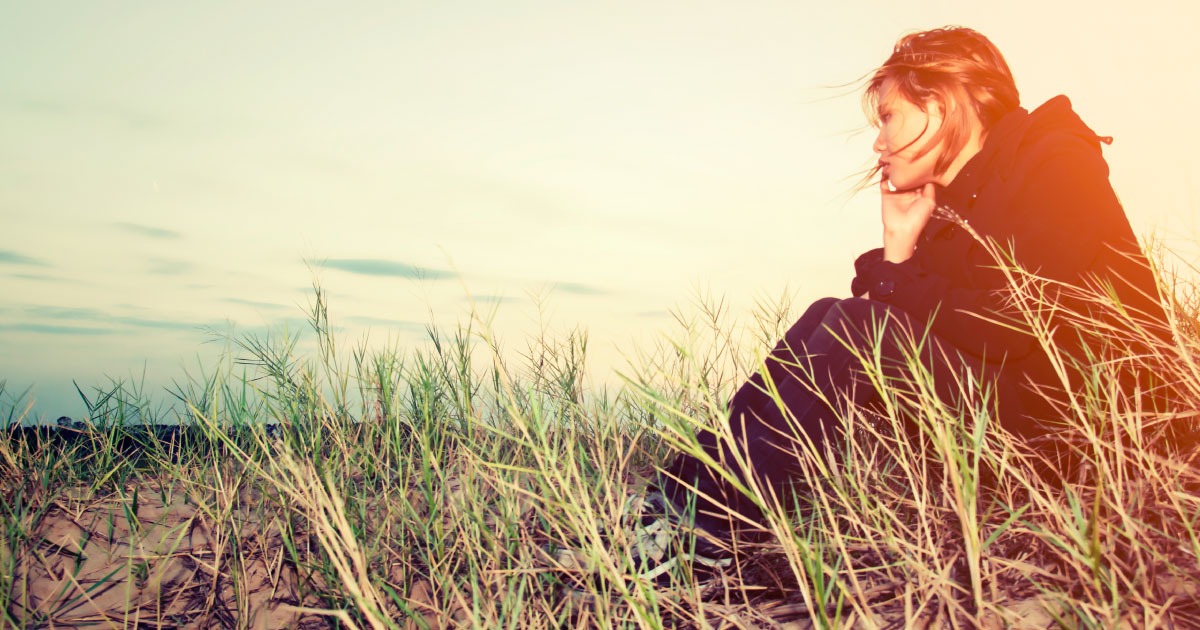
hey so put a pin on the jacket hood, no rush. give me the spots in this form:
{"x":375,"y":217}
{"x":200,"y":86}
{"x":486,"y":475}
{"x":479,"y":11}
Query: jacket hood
{"x":1017,"y":130}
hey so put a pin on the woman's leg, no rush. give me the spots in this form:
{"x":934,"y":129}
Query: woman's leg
{"x":754,"y":414}
{"x":752,"y":393}
{"x":816,"y":371}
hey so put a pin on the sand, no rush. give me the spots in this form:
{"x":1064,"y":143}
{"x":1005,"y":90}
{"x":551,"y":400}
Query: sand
{"x":103,"y":562}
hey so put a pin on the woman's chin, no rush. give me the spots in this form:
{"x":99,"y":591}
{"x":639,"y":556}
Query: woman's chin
{"x":896,"y":184}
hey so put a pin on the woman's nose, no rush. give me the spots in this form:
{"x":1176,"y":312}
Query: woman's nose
{"x":879,"y":145}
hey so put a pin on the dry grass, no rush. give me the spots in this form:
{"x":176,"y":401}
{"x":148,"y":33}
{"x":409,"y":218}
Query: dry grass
{"x":418,"y":490}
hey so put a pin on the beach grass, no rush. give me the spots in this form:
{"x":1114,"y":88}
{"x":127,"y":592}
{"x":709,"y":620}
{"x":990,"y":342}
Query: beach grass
{"x":360,"y":487}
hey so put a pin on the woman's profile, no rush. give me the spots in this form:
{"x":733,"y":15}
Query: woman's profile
{"x":963,"y":172}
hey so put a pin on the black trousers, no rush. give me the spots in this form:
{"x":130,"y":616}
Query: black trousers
{"x":817,"y":370}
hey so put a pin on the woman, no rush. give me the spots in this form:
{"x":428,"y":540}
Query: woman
{"x":952,"y":135}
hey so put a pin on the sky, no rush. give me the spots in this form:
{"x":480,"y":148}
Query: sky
{"x":174,"y":171}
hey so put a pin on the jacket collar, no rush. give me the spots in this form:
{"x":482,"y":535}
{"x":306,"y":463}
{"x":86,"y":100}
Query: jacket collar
{"x":1000,"y":150}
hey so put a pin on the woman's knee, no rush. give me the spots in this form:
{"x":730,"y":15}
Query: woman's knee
{"x":862,"y":320}
{"x":855,"y":310}
{"x":812,"y":317}
{"x":794,"y":339}
{"x":824,"y":304}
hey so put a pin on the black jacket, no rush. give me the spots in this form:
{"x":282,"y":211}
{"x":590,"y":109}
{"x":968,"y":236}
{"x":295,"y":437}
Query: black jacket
{"x":1038,"y":189}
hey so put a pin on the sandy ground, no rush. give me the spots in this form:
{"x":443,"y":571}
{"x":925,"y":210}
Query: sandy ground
{"x":160,"y":561}
{"x":98,"y":563}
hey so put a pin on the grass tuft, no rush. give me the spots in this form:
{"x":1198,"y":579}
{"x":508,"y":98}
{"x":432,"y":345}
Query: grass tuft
{"x":423,"y":487}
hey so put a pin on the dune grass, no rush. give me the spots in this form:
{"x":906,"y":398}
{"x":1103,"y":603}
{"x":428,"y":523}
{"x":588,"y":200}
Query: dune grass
{"x":401,"y":488}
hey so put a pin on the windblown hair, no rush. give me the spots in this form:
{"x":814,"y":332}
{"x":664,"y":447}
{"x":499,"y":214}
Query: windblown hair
{"x":956,"y":68}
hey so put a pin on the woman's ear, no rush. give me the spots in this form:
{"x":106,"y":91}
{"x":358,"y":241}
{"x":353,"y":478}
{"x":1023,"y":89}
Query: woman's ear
{"x":935,"y":108}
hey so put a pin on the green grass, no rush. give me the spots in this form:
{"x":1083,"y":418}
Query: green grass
{"x":419,"y":488}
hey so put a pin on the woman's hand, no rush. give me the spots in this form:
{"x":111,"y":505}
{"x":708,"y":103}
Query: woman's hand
{"x":905,"y":213}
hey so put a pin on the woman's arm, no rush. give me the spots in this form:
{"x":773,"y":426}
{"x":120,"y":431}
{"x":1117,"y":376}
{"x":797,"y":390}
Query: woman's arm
{"x":905,"y":213}
{"x":1062,"y":216}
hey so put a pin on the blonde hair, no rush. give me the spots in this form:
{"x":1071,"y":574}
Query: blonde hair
{"x":955,"y":67}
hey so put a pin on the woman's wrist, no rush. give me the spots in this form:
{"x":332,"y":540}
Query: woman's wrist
{"x":898,"y":249}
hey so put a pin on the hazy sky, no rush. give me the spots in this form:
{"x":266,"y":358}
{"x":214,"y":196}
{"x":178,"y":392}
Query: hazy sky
{"x":171,"y":166}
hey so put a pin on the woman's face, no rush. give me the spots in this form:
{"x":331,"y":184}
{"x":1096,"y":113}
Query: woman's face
{"x":904,"y":130}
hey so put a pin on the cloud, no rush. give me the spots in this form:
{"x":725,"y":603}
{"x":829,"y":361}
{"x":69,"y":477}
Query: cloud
{"x":577,"y":288}
{"x":60,"y":313}
{"x":164,"y":267}
{"x":41,"y":278}
{"x":492,"y":299}
{"x":146,"y":230}
{"x":51,"y":329}
{"x":159,"y":324}
{"x":382,"y":322}
{"x":267,"y":305}
{"x":117,"y":115}
{"x":487,"y":298}
{"x":274,"y":332}
{"x":63,"y":312}
{"x":13,"y":258}
{"x":378,"y":267}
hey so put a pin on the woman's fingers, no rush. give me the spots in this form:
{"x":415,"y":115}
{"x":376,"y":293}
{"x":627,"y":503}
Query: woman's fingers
{"x":929,"y":192}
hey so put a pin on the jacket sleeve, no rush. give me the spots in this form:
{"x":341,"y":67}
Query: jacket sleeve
{"x":1055,"y":226}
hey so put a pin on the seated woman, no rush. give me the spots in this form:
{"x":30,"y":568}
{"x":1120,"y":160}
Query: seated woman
{"x":953,"y":138}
